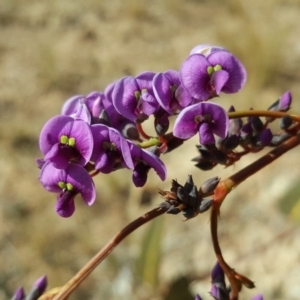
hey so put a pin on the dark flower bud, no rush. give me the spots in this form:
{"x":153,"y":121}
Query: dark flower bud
{"x":219,"y":292}
{"x":278,"y":139}
{"x":161,"y":124}
{"x":205,"y":165}
{"x":189,"y":183}
{"x":198,"y":297}
{"x":235,"y":126}
{"x":189,"y":213}
{"x":285,"y":122}
{"x":209,"y":185}
{"x":205,"y":205}
{"x":37,"y":289}
{"x":172,"y":143}
{"x":256,"y":124}
{"x":229,"y":143}
{"x":103,"y":118}
{"x":131,"y":132}
{"x":173,"y":210}
{"x":181,"y":194}
{"x":217,"y":274}
{"x":219,"y":157}
{"x":262,"y":139}
{"x":246,"y":134}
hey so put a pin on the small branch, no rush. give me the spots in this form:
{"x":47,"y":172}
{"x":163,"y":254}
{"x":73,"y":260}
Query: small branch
{"x":261,"y":113}
{"x":73,"y":283}
{"x":220,"y":193}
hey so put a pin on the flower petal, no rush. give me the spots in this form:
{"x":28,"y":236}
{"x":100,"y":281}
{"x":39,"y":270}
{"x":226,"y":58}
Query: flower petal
{"x":218,"y":80}
{"x":206,"y":134}
{"x":194,"y":76}
{"x":65,"y":205}
{"x":236,"y":70}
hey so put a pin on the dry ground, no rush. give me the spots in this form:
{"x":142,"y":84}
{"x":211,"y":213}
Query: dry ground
{"x":51,"y":50}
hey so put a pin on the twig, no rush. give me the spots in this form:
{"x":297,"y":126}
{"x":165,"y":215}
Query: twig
{"x":74,"y":282}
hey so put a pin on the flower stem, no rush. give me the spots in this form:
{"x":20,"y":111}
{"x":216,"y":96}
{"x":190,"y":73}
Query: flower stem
{"x":261,"y":113}
{"x":74,"y":282}
{"x":220,"y":193}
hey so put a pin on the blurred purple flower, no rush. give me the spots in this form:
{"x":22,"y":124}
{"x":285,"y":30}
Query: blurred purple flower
{"x":206,"y":77}
{"x":145,"y":160}
{"x":68,"y":183}
{"x":133,"y":97}
{"x":206,"y":118}
{"x":206,"y":49}
{"x":36,"y":291}
{"x":19,"y":294}
{"x":111,"y":150}
{"x":64,"y":140}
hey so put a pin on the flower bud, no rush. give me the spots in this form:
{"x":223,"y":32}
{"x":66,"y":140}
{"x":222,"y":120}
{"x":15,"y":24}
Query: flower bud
{"x":205,"y":205}
{"x":278,"y":139}
{"x":262,"y":139}
{"x":285,"y":122}
{"x":209,"y":185}
{"x":205,"y":165}
{"x":37,"y":289}
{"x":19,"y":294}
{"x":256,"y":124}
{"x":161,"y":124}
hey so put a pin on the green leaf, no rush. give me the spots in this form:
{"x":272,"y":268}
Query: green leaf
{"x":148,"y":262}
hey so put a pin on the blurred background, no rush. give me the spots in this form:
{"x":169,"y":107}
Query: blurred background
{"x":52,"y":50}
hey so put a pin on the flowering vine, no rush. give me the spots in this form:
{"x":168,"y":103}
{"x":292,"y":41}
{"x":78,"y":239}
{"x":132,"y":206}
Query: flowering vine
{"x":103,"y":132}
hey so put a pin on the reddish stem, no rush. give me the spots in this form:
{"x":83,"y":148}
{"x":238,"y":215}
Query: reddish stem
{"x":74,"y":282}
{"x":222,"y":190}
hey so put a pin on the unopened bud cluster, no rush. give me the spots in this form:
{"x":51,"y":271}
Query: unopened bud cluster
{"x":187,"y":199}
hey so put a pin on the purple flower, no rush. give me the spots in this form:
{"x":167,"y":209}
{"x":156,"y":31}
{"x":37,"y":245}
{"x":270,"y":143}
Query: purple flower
{"x":111,"y":150}
{"x":169,"y":92}
{"x":133,"y":97}
{"x":68,"y":183}
{"x":206,"y":77}
{"x":95,"y":106}
{"x":206,"y":118}
{"x":258,"y":297}
{"x":145,"y":160}
{"x":64,"y":140}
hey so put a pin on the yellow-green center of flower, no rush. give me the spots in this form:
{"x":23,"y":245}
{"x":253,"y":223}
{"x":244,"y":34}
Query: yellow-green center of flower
{"x":203,"y":118}
{"x":65,"y":140}
{"x":173,"y":89}
{"x":109,"y":146}
{"x":211,"y":70}
{"x":137,"y":95}
{"x":65,"y":186}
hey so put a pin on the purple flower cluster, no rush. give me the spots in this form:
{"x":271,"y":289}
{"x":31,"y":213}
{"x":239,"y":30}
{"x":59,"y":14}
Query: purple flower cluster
{"x":102,"y":132}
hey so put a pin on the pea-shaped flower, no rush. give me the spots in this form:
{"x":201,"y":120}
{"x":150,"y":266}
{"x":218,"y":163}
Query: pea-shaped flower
{"x":111,"y":150}
{"x":64,"y":140}
{"x":144,"y":160}
{"x":205,"y":77}
{"x":68,"y":183}
{"x":206,"y":118}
